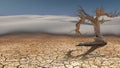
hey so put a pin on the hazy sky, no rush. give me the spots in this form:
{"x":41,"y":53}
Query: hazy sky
{"x":54,"y":7}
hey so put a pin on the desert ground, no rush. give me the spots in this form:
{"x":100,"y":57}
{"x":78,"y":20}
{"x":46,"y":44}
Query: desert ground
{"x":56,"y":51}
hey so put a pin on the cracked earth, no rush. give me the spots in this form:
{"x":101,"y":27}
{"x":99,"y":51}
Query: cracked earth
{"x":51,"y":51}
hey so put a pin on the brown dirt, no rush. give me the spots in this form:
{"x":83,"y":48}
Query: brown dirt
{"x":56,"y":51}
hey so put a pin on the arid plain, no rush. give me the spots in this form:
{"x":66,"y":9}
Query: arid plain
{"x":35,"y":50}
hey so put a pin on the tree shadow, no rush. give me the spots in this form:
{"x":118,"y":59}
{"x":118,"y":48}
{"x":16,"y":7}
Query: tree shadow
{"x":93,"y":45}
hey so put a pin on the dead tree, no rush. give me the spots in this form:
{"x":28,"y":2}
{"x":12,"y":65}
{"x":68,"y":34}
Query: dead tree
{"x":99,"y":40}
{"x":95,"y":21}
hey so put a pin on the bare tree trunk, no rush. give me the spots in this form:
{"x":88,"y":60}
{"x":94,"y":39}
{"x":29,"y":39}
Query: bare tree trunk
{"x":96,"y":25}
{"x":97,"y":29}
{"x":99,"y":37}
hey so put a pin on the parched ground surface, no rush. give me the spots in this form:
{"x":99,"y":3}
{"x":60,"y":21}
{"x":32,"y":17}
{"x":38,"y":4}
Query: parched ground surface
{"x":51,"y":51}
